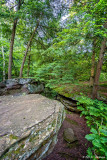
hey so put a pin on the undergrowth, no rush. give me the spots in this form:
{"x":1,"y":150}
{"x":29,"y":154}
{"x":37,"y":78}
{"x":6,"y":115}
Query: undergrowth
{"x":96,"y":114}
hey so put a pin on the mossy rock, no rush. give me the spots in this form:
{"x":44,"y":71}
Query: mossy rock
{"x":69,"y":136}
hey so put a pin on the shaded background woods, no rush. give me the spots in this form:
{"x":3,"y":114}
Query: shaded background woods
{"x":58,"y":42}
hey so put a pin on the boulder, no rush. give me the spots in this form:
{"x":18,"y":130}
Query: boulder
{"x":24,"y":80}
{"x":69,"y":135}
{"x":24,"y":89}
{"x":17,"y":86}
{"x":70,"y":104}
{"x":29,"y":125}
{"x":3,"y":91}
{"x":11,"y":82}
{"x":21,"y":85}
{"x":35,"y":88}
{"x":2,"y":84}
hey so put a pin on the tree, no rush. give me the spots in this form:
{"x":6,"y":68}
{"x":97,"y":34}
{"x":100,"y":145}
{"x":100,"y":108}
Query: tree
{"x":28,"y":45}
{"x":45,"y":18}
{"x":93,"y":64}
{"x":3,"y":63}
{"x":98,"y":70}
{"x":74,"y":38}
{"x":3,"y":55}
{"x":95,"y":13}
{"x":29,"y":59}
{"x":11,"y":49}
{"x":12,"y":42}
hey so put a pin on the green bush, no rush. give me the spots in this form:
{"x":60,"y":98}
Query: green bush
{"x":103,"y":77}
{"x":96,"y":114}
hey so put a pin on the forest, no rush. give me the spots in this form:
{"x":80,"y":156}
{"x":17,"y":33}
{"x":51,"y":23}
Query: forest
{"x":54,"y":41}
{"x":63,"y":44}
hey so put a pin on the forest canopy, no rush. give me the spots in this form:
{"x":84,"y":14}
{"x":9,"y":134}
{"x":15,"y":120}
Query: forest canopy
{"x":54,"y":41}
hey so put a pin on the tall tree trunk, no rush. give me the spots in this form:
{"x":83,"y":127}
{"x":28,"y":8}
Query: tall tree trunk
{"x":98,"y":71}
{"x":3,"y":63}
{"x":28,"y":71}
{"x":28,"y":45}
{"x":93,"y":65}
{"x":12,"y":43}
{"x":11,"y":49}
{"x":15,"y":69}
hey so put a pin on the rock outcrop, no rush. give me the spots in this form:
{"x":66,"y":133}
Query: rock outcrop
{"x":69,"y":103}
{"x":21,"y":85}
{"x":28,"y":126}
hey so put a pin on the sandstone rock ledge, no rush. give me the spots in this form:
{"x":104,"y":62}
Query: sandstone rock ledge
{"x":28,"y":126}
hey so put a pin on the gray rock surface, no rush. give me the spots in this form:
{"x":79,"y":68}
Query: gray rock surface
{"x":24,"y":80}
{"x":69,"y":135}
{"x":69,"y":104}
{"x":21,"y":85}
{"x":28,"y":126}
{"x":2,"y":84}
{"x":35,"y":88}
{"x":11,"y":82}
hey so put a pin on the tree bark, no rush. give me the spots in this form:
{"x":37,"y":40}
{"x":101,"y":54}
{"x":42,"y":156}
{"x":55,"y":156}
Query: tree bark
{"x":28,"y":71}
{"x":93,"y":65}
{"x":98,"y":71}
{"x":3,"y":63}
{"x":28,"y":45}
{"x":11,"y":49}
{"x":11,"y":44}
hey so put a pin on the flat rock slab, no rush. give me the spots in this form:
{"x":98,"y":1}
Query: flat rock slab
{"x":20,"y":116}
{"x":18,"y":113}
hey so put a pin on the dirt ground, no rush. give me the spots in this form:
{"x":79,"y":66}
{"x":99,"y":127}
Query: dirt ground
{"x":76,"y":151}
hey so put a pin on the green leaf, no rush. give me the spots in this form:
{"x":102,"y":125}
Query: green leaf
{"x":97,"y":143}
{"x":103,"y":132}
{"x":90,"y":137}
{"x":103,"y":139}
{"x":93,"y":131}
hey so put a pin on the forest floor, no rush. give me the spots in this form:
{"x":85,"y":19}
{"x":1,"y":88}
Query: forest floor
{"x":77,"y":151}
{"x":73,"y":90}
{"x":67,"y":151}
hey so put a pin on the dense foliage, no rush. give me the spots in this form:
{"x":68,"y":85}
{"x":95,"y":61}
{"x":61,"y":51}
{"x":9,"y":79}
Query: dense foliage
{"x":59,"y":42}
{"x":54,"y":41}
{"x":96,"y":114}
{"x":62,"y":48}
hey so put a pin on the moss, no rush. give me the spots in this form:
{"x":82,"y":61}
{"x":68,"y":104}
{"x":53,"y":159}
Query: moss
{"x":8,"y":154}
{"x":34,"y":138}
{"x":13,"y":137}
{"x":49,"y":128}
{"x":17,"y":151}
{"x":68,"y":112}
{"x":63,"y":91}
{"x":47,"y":140}
{"x":12,"y":152}
{"x":63,"y":116}
{"x":53,"y":123}
{"x":22,"y":146}
{"x":71,"y":121}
